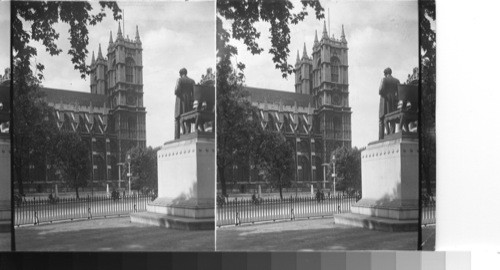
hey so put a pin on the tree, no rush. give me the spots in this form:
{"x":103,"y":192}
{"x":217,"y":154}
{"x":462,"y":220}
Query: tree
{"x":428,"y":95}
{"x":279,"y":15}
{"x":237,"y":121}
{"x":72,"y":158}
{"x":34,"y":21}
{"x":32,"y":127}
{"x":236,"y":126}
{"x":143,"y":166}
{"x":275,"y":160}
{"x":347,"y":168}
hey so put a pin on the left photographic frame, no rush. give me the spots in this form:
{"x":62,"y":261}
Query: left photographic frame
{"x":5,"y":146}
{"x":113,"y":142}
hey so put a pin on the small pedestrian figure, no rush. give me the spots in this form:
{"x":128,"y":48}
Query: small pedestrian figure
{"x":318,"y":196}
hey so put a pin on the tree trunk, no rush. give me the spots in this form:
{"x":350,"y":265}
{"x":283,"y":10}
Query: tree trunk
{"x":19,"y":178}
{"x":77,"y":195}
{"x":281,"y":191}
{"x":222,"y":178}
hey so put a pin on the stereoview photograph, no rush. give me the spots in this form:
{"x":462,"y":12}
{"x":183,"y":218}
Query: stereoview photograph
{"x":317,"y":125}
{"x":114,"y":143}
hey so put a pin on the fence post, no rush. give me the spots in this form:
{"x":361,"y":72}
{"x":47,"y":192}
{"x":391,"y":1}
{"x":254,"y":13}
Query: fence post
{"x":89,"y":210}
{"x":35,"y":212}
{"x":237,"y":218}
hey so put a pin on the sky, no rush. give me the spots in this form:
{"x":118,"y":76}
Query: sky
{"x":173,"y":34}
{"x":5,"y":34}
{"x":380,"y":34}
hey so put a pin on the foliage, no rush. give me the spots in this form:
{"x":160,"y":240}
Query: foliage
{"x":143,"y":166}
{"x":428,"y":95}
{"x":275,"y":160}
{"x":33,"y":129}
{"x":347,"y":168}
{"x":279,"y":15}
{"x":237,"y":121}
{"x":236,"y":126}
{"x":35,"y":20}
{"x":72,"y":159}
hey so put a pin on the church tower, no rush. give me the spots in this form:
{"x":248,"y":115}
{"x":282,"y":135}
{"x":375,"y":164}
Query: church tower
{"x":331,"y":91}
{"x":125,"y":92}
{"x":328,"y":77}
{"x":98,"y":69}
{"x":303,"y":67}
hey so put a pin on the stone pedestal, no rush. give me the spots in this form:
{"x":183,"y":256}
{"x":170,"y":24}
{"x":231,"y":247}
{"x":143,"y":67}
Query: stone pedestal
{"x":186,"y":185}
{"x":389,"y":187}
{"x":5,"y":182}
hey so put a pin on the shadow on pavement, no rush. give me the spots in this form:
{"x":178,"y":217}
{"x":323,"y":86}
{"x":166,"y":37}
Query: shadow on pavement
{"x":319,"y":234}
{"x":110,"y":235}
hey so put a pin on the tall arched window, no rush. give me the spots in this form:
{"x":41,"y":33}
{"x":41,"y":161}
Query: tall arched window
{"x":129,"y":70}
{"x":335,"y":69}
{"x":319,"y":67}
{"x":131,"y":127}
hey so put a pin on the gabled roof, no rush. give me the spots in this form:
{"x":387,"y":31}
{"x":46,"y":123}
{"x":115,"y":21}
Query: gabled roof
{"x":274,"y":96}
{"x":70,"y":97}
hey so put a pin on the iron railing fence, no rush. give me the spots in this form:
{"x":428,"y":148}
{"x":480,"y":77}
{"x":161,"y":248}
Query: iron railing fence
{"x":237,"y":211}
{"x":44,"y":210}
{"x":429,"y":213}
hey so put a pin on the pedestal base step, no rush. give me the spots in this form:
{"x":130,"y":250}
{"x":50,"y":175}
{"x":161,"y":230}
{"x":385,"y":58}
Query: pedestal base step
{"x":173,"y":222}
{"x":376,"y":223}
{"x":5,"y":226}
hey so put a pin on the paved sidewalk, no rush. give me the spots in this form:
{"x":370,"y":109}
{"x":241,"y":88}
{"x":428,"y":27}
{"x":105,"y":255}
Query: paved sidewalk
{"x":313,"y":234}
{"x":5,"y":241}
{"x":429,"y":238}
{"x":114,"y":234}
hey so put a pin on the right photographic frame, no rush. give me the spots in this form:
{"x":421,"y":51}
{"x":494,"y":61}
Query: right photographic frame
{"x":325,"y":125}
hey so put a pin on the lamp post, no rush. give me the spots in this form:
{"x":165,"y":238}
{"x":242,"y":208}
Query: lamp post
{"x":334,"y":175}
{"x":120,"y":174}
{"x":324,"y":174}
{"x":128,"y":174}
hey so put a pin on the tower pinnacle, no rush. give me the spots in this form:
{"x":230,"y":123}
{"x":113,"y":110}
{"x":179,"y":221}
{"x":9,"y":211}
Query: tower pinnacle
{"x":315,"y":37}
{"x":93,"y":58}
{"x":304,"y":54}
{"x":110,"y":36}
{"x":137,"y":37}
{"x":99,"y":54}
{"x":343,"y":35}
{"x":119,"y":35}
{"x":325,"y":33}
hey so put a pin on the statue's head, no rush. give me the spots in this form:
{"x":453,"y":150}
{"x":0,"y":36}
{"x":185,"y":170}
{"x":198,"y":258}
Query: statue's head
{"x":387,"y":71}
{"x":183,"y":71}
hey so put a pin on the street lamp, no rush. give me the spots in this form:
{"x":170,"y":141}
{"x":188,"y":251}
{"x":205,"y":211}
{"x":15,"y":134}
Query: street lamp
{"x":120,"y":164}
{"x":128,"y":174}
{"x":334,"y":175}
{"x":324,"y":174}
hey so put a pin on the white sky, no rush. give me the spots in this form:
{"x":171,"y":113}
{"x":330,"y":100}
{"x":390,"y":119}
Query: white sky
{"x":5,"y":34}
{"x":379,"y":34}
{"x":173,"y":34}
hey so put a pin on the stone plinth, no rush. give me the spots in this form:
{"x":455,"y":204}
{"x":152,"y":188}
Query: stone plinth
{"x":5,"y":214}
{"x":389,"y":187}
{"x":186,"y":185}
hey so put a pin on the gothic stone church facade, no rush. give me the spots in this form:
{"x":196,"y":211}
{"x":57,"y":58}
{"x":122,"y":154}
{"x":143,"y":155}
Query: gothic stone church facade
{"x":316,"y":119}
{"x":111,"y":119}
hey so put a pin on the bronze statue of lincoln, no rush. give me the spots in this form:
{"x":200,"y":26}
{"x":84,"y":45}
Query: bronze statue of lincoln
{"x":388,"y":99}
{"x":184,"y":98}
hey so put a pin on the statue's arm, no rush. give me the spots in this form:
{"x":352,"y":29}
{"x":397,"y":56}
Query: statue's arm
{"x":381,"y":88}
{"x":177,"y":88}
